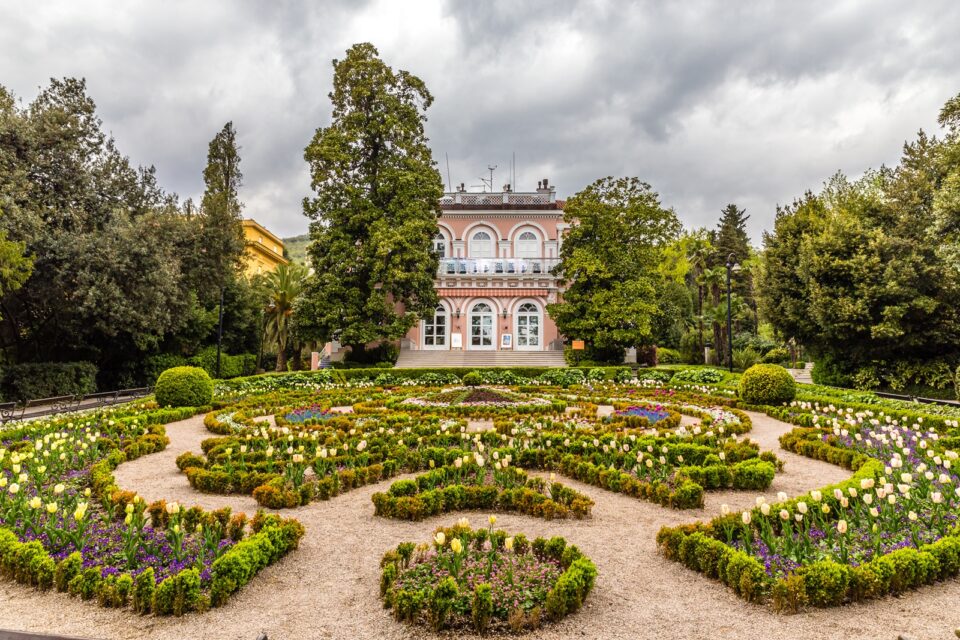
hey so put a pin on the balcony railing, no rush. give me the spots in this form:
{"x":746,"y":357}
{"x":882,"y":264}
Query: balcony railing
{"x":496,"y":266}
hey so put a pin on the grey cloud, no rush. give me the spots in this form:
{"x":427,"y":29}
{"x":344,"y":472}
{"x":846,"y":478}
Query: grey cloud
{"x":709,"y":101}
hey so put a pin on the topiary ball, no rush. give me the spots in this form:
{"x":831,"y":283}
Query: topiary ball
{"x":184,"y":387}
{"x":767,"y":384}
{"x":472,"y":379}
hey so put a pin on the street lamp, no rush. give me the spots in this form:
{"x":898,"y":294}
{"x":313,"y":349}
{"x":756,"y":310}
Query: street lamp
{"x":731,"y":266}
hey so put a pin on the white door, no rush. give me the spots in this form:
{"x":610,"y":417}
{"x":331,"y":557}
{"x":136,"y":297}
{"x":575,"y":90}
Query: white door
{"x":435,"y":330}
{"x":482,"y":332}
{"x":529,"y":330}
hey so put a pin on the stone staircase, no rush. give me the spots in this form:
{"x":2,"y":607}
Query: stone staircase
{"x":425,"y":359}
{"x":803,"y":375}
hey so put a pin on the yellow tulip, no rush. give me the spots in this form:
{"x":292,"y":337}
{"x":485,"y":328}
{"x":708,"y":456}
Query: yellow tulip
{"x":456,"y":545}
{"x":440,"y":538}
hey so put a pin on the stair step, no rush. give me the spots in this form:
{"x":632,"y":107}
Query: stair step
{"x":445,"y":359}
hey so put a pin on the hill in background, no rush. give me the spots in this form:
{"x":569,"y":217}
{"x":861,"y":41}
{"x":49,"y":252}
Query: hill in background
{"x":296,"y":248}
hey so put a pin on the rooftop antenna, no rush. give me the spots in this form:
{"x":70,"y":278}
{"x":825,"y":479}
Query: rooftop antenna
{"x":513,"y":171}
{"x":449,"y":180}
{"x":490,"y":168}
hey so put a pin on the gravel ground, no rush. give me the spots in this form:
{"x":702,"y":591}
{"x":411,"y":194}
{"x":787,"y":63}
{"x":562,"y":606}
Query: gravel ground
{"x":329,"y":587}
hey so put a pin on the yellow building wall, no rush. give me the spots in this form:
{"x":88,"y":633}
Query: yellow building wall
{"x":264,"y":251}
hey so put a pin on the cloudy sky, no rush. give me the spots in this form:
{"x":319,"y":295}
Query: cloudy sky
{"x":709,"y":101}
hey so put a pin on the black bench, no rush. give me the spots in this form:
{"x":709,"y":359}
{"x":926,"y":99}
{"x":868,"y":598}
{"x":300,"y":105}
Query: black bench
{"x":10,"y":411}
{"x":103,"y":398}
{"x":55,"y":404}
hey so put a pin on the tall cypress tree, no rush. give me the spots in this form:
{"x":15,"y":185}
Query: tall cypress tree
{"x":222,"y":240}
{"x":375,"y":210}
{"x":730,"y":239}
{"x":222,"y":233}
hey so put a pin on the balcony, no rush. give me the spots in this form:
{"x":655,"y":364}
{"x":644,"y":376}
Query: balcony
{"x":497,"y":266}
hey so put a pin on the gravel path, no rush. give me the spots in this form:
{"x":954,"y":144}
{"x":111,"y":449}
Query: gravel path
{"x":329,"y":588}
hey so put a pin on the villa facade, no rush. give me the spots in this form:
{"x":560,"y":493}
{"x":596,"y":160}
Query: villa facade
{"x":494,"y":280}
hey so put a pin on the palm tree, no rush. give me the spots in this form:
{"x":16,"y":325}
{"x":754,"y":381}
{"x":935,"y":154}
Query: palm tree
{"x":698,"y":253}
{"x":279,"y":290}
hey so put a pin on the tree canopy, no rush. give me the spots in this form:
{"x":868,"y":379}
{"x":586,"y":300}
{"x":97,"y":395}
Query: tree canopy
{"x":375,"y":207}
{"x":864,"y":273}
{"x":609,"y":263}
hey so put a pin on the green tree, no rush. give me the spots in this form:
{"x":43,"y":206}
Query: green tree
{"x":375,"y":209}
{"x":278,"y":291}
{"x":609,"y":262}
{"x":106,"y":281}
{"x":730,"y":241}
{"x":221,"y":233}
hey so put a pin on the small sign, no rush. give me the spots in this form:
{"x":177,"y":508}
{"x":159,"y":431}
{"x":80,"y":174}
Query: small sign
{"x":456,"y":340}
{"x":506,"y":341}
{"x":578,"y":345}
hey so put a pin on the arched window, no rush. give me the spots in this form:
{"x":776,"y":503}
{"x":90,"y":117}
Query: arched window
{"x":440,"y":245}
{"x":527,"y":246}
{"x":481,"y":326}
{"x":435,"y":329}
{"x":529,"y":332}
{"x":481,"y":245}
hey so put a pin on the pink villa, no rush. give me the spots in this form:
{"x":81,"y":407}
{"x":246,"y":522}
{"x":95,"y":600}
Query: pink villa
{"x":496,"y":252}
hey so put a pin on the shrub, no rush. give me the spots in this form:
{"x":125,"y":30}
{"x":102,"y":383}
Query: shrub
{"x":767,"y":384}
{"x":777,"y":355}
{"x":743,"y":359}
{"x":472,"y":379}
{"x":22,"y":382}
{"x":184,"y":387}
{"x":698,"y":375}
{"x":441,"y":602}
{"x":482,"y":606}
{"x":243,"y":364}
{"x":829,"y":372}
{"x":156,"y":364}
{"x":957,"y":382}
{"x":668,"y":356}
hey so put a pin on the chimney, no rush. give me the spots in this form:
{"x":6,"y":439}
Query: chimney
{"x":545,"y":184}
{"x":539,"y":185}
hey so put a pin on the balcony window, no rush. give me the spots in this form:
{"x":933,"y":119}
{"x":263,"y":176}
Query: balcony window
{"x":481,"y":245}
{"x":440,"y":245}
{"x":527,"y":246}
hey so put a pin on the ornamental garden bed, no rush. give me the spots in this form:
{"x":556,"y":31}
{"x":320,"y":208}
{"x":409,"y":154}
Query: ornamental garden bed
{"x":890,"y":528}
{"x":64,"y":523}
{"x":296,"y":462}
{"x":485,"y":579}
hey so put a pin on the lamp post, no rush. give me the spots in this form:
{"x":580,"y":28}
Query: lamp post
{"x":220,"y":331}
{"x":731,"y":266}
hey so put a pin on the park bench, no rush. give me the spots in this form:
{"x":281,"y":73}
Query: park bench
{"x":54,"y":404}
{"x":10,"y":411}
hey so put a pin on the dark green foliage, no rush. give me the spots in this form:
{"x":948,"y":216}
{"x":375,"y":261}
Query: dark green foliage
{"x":777,"y":355}
{"x":698,"y":375}
{"x":375,"y":208}
{"x":767,"y":384}
{"x":482,"y":606}
{"x":609,"y":264}
{"x":441,"y":602}
{"x":472,"y":379}
{"x":668,"y":356}
{"x":184,"y":387}
{"x":32,"y":380}
{"x":178,"y":594}
{"x":866,"y":274}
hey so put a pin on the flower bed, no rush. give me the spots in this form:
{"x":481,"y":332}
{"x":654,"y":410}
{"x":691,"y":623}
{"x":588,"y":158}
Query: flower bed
{"x":891,"y":527}
{"x":65,"y":524}
{"x":485,"y":579}
{"x":467,"y":484}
